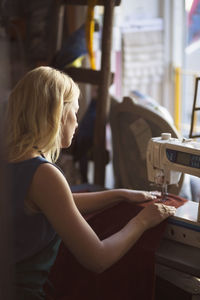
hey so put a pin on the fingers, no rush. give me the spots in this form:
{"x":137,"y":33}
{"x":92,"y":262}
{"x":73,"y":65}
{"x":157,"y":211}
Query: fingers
{"x":155,"y":193}
{"x":166,"y":210}
{"x":155,"y":213}
{"x":152,"y":195}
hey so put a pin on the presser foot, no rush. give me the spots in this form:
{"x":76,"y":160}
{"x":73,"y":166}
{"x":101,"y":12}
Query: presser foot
{"x":164,"y":193}
{"x":164,"y":197}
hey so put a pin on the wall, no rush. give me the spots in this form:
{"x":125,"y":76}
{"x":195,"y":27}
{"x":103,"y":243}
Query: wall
{"x":142,"y":54}
{"x":140,"y":8}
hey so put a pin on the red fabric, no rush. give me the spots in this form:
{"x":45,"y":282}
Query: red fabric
{"x":173,"y":200}
{"x":130,"y":278}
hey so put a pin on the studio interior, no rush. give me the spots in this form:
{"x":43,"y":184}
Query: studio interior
{"x":137,"y":65}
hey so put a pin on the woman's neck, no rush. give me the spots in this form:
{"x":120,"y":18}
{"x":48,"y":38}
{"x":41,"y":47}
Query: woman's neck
{"x":27,"y":156}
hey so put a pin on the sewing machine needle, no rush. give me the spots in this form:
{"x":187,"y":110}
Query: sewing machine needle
{"x":164,"y":193}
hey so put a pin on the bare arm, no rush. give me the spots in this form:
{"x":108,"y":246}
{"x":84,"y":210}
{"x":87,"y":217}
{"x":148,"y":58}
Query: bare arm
{"x":89,"y":202}
{"x":51,"y":194}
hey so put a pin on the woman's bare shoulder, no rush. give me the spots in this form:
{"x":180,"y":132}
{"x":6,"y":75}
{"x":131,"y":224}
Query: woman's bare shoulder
{"x":48,"y":171}
{"x":47,"y":185}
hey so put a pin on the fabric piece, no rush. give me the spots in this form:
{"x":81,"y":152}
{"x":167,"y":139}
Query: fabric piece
{"x":130,"y":171}
{"x":74,"y":47}
{"x":172,"y":200}
{"x":132,"y":277}
{"x":142,"y":134}
{"x":82,"y":149}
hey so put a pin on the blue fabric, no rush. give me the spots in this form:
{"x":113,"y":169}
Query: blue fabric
{"x":35,"y":241}
{"x":73,"y":47}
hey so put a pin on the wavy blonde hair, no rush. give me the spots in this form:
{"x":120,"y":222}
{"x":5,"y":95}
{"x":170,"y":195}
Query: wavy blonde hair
{"x":35,"y":109}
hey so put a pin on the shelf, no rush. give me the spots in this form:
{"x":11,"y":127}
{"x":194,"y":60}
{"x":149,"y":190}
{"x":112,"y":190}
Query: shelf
{"x":85,"y":2}
{"x":181,"y":257}
{"x":83,"y":75}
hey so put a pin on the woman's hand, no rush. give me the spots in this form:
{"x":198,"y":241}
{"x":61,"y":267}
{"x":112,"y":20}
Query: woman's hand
{"x":139,"y":196}
{"x":154,"y":213}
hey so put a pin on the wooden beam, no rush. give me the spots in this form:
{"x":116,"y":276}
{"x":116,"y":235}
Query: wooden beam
{"x":103,"y":103}
{"x":85,"y":2}
{"x":83,"y":75}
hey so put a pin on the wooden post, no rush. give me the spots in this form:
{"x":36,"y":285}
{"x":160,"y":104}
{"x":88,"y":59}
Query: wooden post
{"x":177,"y":100}
{"x":6,"y":251}
{"x":194,"y":109}
{"x":103,"y":101}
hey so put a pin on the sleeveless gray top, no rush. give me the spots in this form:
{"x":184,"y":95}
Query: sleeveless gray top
{"x":31,"y":232}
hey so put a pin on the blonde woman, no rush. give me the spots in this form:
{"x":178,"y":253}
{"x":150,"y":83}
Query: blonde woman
{"x":41,"y":119}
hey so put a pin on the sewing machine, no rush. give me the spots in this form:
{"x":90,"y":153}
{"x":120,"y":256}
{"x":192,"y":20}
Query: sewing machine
{"x":167,"y":158}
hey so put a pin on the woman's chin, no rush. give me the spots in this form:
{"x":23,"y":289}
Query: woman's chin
{"x":66,"y":145}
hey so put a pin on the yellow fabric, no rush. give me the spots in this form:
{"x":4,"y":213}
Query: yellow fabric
{"x":90,"y":32}
{"x":77,"y":63}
